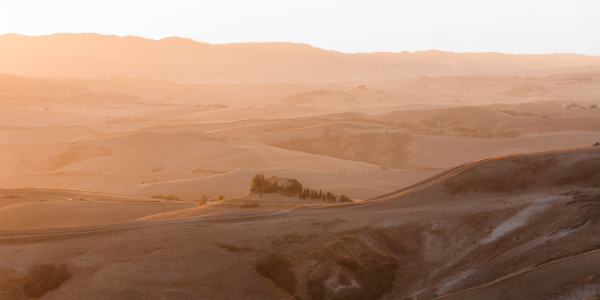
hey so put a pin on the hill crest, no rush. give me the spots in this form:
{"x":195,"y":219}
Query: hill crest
{"x":180,"y":59}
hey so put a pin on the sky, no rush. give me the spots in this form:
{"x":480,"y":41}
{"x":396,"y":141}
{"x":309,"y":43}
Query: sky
{"x":509,"y":26}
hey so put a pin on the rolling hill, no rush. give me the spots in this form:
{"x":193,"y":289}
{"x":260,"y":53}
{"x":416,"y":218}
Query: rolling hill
{"x":178,"y":59}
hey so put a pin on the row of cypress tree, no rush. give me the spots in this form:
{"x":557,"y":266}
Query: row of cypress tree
{"x":259,"y":184}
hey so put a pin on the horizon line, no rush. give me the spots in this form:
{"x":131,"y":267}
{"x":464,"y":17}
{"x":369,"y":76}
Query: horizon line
{"x":289,"y":42}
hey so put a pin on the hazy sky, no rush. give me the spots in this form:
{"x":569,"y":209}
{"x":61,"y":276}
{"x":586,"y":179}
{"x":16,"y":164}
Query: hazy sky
{"x":523,"y":26}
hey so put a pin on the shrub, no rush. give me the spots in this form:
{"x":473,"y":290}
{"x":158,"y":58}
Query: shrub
{"x":518,"y":114}
{"x":166,"y":197}
{"x":509,"y":134}
{"x":279,"y":270}
{"x":345,"y":199}
{"x":156,"y":170}
{"x":249,"y":205}
{"x":203,"y":200}
{"x":233,"y":248}
{"x":220,"y":198}
{"x":316,"y":289}
{"x":266,"y":188}
{"x":377,"y":279}
{"x":12,"y":196}
{"x":44,"y":278}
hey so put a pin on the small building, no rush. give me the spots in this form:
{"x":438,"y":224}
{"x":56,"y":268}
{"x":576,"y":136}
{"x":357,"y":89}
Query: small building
{"x":573,"y":104}
{"x":280,"y":182}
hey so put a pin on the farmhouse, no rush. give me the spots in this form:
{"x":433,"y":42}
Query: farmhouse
{"x":280,"y":182}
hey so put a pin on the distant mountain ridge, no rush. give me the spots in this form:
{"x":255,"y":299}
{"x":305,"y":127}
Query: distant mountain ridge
{"x":94,"y":55}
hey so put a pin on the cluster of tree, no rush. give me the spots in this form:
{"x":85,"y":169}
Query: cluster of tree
{"x":312,"y":194}
{"x":260,"y":185}
{"x":328,"y":196}
{"x":204,"y":199}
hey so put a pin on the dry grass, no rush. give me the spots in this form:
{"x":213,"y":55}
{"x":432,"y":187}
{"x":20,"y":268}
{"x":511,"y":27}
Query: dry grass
{"x":488,"y":184}
{"x":166,"y":197}
{"x":249,"y":205}
{"x":502,"y":175}
{"x":77,"y":153}
{"x":287,"y":193}
{"x":584,"y":172}
{"x":588,"y":211}
{"x":44,"y":278}
{"x":477,"y":220}
{"x":235,"y":249}
{"x":480,"y":221}
{"x":389,"y":149}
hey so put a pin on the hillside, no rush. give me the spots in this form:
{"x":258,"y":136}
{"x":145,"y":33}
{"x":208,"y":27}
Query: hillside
{"x":94,"y":55}
{"x":53,"y":208}
{"x":357,"y":185}
{"x":480,"y":229}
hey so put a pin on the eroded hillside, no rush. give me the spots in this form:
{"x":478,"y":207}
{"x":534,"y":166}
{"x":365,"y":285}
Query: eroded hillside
{"x":503,"y":217}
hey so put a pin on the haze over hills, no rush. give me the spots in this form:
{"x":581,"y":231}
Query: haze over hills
{"x":177,"y":59}
{"x":133,"y":161}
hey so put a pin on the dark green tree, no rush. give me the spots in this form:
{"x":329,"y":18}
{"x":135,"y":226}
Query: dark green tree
{"x":296,"y":187}
{"x":345,"y":199}
{"x":256,"y":182}
{"x":203,"y":200}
